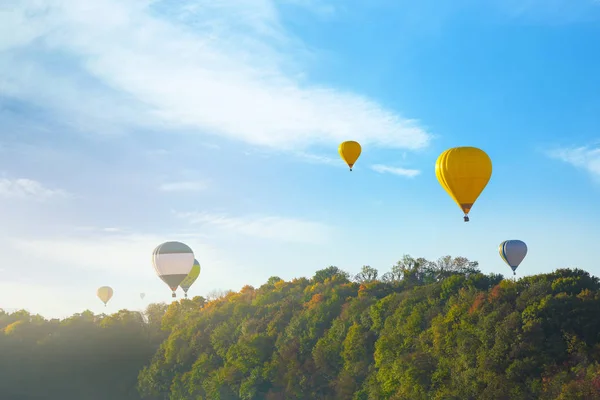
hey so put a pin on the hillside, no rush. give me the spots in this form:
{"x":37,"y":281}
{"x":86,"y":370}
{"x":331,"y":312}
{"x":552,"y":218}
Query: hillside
{"x":424,"y":330}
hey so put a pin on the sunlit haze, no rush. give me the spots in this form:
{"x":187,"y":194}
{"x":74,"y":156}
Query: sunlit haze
{"x":125,"y":124}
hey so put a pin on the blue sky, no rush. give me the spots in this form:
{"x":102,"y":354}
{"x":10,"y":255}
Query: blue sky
{"x":124,"y":124}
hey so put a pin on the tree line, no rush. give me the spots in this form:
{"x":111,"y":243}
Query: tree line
{"x":424,"y":330}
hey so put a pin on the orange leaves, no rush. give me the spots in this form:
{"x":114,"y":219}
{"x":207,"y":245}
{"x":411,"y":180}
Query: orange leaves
{"x":314,"y":301}
{"x":477,"y":303}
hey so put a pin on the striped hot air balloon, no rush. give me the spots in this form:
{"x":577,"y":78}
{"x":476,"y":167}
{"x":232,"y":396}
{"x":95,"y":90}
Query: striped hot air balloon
{"x":173,"y":261}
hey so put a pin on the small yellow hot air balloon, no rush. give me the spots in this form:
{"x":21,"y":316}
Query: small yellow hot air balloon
{"x":464,"y":172}
{"x":104,"y":293}
{"x":349,"y":151}
{"x":191,"y":278}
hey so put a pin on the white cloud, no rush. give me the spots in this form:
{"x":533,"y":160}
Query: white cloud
{"x":122,"y":254}
{"x":267,"y":227}
{"x":318,"y":159}
{"x":382,"y":169}
{"x":186,"y":186}
{"x":226,"y":68}
{"x":582,"y":157}
{"x":27,"y":188}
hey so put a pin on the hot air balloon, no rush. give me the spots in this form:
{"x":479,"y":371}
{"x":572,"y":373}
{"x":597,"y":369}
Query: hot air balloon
{"x":104,"y":293}
{"x":349,"y":151}
{"x":142,"y":295}
{"x":191,"y":278}
{"x":464,"y":172}
{"x":513,"y":252}
{"x":173,"y":261}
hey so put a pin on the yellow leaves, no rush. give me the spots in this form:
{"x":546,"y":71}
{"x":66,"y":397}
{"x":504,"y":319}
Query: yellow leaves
{"x":311,"y":288}
{"x":247,"y":289}
{"x":454,"y":314}
{"x":14,"y":328}
{"x":585,"y":294}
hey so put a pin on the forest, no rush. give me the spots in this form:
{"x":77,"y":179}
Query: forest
{"x":424,"y":330}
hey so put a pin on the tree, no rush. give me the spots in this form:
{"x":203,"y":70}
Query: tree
{"x":329,"y":273}
{"x":409,"y":269}
{"x":446,"y":266}
{"x":367,"y":274}
{"x":273,"y":280}
{"x":216,"y":294}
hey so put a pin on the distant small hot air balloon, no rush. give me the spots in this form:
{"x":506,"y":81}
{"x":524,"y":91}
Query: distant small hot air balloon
{"x":173,"y":261}
{"x":349,"y":151}
{"x":464,"y":172}
{"x":104,"y":293}
{"x":513,"y":252}
{"x":191,"y":278}
{"x":142,"y":295}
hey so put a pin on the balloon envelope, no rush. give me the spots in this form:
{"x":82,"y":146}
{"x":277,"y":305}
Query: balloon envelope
{"x":173,"y":262}
{"x":349,"y":151}
{"x":513,"y":252}
{"x":104,"y":293}
{"x":142,"y":295}
{"x":191,"y":278}
{"x":464,"y":172}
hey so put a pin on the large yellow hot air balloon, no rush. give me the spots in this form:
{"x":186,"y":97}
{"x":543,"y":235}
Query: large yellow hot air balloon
{"x":464,"y":172}
{"x":349,"y":151}
{"x":104,"y":293}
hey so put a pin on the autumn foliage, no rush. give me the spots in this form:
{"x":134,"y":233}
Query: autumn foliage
{"x":424,"y":330}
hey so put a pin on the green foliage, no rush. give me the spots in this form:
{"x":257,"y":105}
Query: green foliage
{"x":427,"y":330}
{"x":330,"y":272}
{"x":86,"y":356}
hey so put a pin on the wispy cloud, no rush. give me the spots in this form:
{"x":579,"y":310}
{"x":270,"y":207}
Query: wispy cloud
{"x":318,"y":159}
{"x":23,"y":188}
{"x":584,"y":157}
{"x":186,"y":186}
{"x":225,"y":68}
{"x":383,"y":169}
{"x":121,"y":254}
{"x":266,"y":227}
